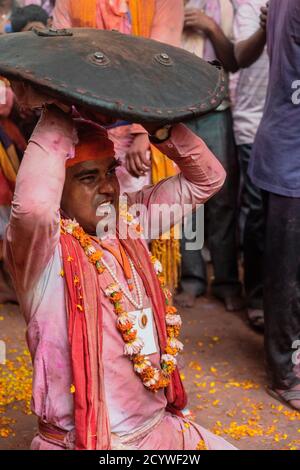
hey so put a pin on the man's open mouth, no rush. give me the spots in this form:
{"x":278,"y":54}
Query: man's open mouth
{"x":106,"y":204}
{"x":105,"y":208}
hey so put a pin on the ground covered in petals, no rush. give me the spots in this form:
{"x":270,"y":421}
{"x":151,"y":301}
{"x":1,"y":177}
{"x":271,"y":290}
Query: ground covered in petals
{"x":222,"y":368}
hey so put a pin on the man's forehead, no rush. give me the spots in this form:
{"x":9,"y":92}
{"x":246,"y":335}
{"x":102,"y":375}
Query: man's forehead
{"x":99,"y":163}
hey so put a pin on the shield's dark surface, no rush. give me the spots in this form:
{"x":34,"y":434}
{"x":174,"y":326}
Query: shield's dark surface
{"x":123,"y":76}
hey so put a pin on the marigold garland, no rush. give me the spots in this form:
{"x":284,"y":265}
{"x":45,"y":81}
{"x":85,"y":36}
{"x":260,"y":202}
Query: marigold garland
{"x":152,"y":378}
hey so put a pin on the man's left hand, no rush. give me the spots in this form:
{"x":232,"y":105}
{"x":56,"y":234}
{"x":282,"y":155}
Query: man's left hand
{"x":137,"y":159}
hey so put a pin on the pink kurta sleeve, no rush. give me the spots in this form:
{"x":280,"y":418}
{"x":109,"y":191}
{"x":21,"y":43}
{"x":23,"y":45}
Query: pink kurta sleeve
{"x":33,"y":230}
{"x":61,"y":14}
{"x":201,"y":177}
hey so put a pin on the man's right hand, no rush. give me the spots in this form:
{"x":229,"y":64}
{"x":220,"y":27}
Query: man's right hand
{"x":55,"y":121}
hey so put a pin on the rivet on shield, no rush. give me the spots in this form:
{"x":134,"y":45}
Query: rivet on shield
{"x":99,"y":58}
{"x":164,"y":59}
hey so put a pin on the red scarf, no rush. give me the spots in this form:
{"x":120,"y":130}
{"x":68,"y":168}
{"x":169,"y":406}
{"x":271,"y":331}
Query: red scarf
{"x":85,"y":336}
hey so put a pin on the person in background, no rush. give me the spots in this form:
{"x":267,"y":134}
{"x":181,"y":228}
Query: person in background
{"x":6,"y":9}
{"x":47,"y":5}
{"x":11,"y":146}
{"x":237,"y":3}
{"x":28,"y":18}
{"x":252,"y":58}
{"x":13,"y":123}
{"x":275,"y":168}
{"x":208,"y":33}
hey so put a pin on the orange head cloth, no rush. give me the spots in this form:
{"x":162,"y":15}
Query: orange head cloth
{"x":93,"y":143}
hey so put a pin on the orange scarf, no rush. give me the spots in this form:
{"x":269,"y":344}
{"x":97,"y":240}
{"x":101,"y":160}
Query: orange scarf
{"x":84,"y":13}
{"x":142,"y":15}
{"x":166,"y":249}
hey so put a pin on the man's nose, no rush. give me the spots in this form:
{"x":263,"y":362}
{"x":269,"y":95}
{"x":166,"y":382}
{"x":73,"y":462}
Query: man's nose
{"x":106,"y":187}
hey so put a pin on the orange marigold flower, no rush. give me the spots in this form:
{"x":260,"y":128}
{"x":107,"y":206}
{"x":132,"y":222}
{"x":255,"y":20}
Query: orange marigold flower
{"x":78,"y":232}
{"x":172,"y":351}
{"x":162,"y":383}
{"x":96,"y":257}
{"x":170,"y":309}
{"x":173,"y":331}
{"x":169,"y":367}
{"x":129,"y":336}
{"x":138,"y":359}
{"x":162,"y":280}
{"x":147,"y":374}
{"x":119,"y":309}
{"x":85,"y":241}
{"x":117,"y":296}
{"x":125,"y":327}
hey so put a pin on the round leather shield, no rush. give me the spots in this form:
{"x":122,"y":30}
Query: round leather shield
{"x":136,"y":79}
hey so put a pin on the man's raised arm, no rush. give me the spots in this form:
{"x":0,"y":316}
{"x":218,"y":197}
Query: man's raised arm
{"x":34,"y":228}
{"x":201,"y":177}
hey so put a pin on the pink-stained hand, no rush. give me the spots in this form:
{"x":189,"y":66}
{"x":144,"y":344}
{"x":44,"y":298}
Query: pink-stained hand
{"x":138,"y":162}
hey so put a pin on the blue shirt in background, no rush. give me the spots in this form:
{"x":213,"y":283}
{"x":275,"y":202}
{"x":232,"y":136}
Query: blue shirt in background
{"x":275,"y":162}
